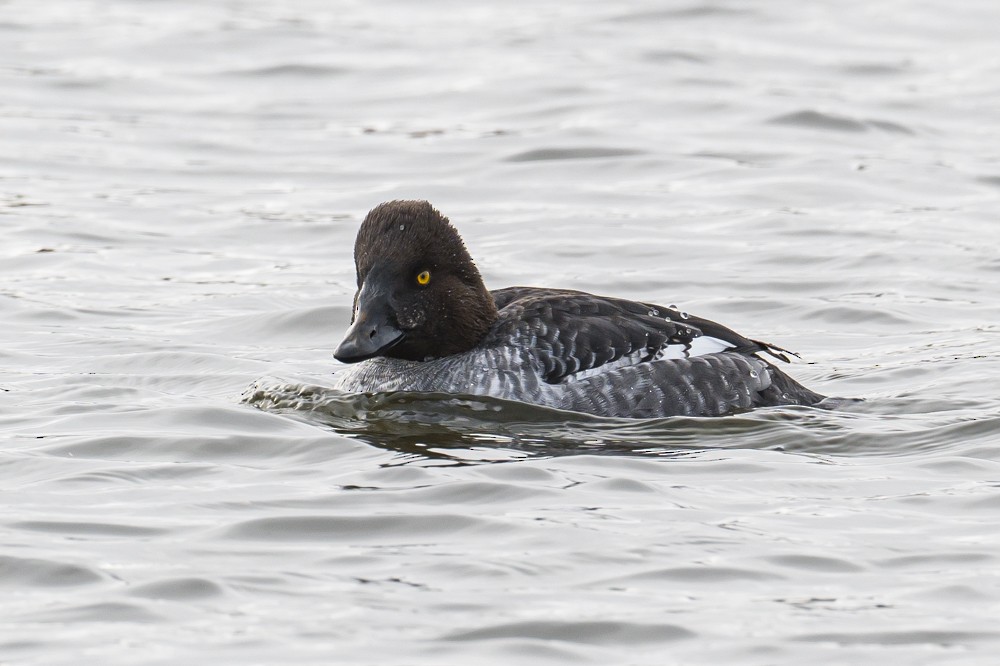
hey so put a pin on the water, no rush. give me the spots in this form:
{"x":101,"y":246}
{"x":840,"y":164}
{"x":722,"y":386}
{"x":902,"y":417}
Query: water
{"x":180,"y":185}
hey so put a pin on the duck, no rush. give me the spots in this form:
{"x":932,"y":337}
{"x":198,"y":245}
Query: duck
{"x":424,"y":321}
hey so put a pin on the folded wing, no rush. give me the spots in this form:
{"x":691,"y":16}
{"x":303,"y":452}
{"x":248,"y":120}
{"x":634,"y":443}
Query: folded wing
{"x":575,"y":334}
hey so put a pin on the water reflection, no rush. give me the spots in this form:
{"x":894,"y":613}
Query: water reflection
{"x":482,"y":429}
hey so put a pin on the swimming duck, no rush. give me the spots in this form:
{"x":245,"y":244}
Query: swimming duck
{"x":424,"y":321}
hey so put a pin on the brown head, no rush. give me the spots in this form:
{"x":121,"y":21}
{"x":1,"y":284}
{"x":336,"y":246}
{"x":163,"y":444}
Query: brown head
{"x":419,"y":295}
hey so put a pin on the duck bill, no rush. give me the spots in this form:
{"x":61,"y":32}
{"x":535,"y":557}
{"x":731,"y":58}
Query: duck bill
{"x":370,"y":335}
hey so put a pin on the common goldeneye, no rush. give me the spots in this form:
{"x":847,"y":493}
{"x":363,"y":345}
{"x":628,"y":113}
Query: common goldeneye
{"x":424,"y":321}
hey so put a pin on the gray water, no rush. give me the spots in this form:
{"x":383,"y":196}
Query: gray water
{"x":180,"y":185}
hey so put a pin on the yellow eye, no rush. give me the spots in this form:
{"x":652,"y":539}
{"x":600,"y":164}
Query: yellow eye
{"x":423,"y":278}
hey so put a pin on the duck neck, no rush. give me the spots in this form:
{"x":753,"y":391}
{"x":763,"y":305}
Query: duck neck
{"x":472,"y":316}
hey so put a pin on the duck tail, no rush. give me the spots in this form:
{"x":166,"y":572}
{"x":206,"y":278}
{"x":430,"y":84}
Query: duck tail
{"x":786,"y":391}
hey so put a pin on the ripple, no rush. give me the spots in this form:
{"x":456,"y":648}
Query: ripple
{"x":100,"y":612}
{"x":620,"y":485}
{"x":472,"y":493}
{"x":178,"y":589}
{"x":702,"y":574}
{"x":876,"y":69}
{"x":697,"y":11}
{"x":935,"y":561}
{"x":140,"y":475}
{"x":87,"y":528}
{"x":44,"y":573}
{"x":961,"y":595}
{"x":547,"y":154}
{"x":917,"y":637}
{"x":673,"y":55}
{"x":591,"y":633}
{"x":352,"y":529}
{"x":853,"y":314}
{"x":815,"y":563}
{"x":292,"y":70}
{"x":889,"y":126}
{"x":819,"y":120}
{"x":828,"y":121}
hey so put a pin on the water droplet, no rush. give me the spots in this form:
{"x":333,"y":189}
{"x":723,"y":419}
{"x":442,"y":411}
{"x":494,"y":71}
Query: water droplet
{"x":654,"y":312}
{"x":753,"y":373}
{"x":672,"y":307}
{"x":684,"y":315}
{"x":402,"y":227}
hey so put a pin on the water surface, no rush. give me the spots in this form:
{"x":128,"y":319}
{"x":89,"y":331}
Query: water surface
{"x":180,"y":185}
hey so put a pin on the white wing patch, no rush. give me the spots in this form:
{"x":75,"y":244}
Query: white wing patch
{"x":697,"y":347}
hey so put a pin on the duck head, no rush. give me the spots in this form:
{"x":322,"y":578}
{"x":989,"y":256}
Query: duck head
{"x":420,"y":296}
